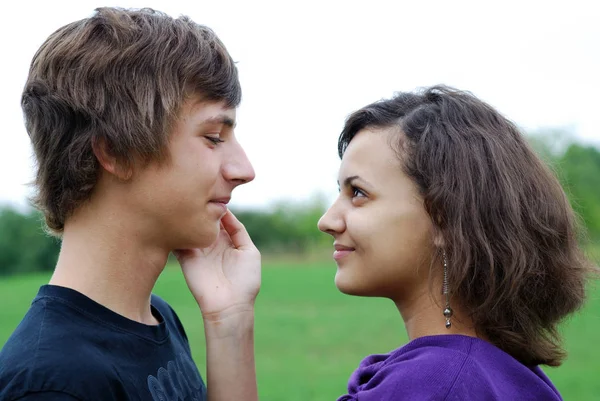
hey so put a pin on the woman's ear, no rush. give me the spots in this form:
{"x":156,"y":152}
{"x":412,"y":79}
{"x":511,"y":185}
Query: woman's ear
{"x":109,"y":162}
{"x":438,"y":241}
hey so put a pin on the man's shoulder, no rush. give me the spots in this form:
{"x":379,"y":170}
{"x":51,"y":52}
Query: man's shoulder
{"x":51,"y":366}
{"x":42,"y":329}
{"x":50,"y":325}
{"x":76,"y":348}
{"x":59,"y":347}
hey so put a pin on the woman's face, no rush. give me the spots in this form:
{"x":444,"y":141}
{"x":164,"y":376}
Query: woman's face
{"x":382,"y":233}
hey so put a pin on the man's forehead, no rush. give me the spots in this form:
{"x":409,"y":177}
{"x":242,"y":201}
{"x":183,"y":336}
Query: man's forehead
{"x":213,"y":112}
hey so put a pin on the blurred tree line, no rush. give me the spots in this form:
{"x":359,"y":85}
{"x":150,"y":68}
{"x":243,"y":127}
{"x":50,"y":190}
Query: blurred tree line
{"x":24,"y":245}
{"x":291,"y":228}
{"x":577,"y":166}
{"x":285,"y":229}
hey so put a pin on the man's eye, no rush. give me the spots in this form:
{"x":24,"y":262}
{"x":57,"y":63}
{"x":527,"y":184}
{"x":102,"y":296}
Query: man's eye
{"x":214,"y":139}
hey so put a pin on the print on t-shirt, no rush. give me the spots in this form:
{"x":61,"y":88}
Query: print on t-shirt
{"x":179,"y":381}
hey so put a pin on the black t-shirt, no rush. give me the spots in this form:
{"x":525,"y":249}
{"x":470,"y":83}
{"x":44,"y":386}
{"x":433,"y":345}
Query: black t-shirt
{"x":68,"y":347}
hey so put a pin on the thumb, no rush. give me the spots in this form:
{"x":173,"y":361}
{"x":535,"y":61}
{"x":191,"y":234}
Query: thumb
{"x":237,"y":232}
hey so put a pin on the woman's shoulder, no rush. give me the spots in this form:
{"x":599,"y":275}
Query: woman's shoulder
{"x":448,"y":367}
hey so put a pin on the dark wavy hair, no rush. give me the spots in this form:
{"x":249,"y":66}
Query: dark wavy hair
{"x":510,"y":235}
{"x":119,"y":76}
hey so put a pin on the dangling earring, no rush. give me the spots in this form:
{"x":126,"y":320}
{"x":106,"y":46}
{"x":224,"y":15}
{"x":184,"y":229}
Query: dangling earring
{"x":445,"y":291}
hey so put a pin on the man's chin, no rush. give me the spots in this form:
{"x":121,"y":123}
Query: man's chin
{"x":200,"y":240}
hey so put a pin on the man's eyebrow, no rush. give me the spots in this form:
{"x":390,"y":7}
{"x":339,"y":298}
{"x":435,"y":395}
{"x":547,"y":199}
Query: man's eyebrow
{"x":220,"y":119}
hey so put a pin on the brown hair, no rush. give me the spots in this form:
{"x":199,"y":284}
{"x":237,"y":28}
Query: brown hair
{"x":510,"y":235}
{"x":119,"y":76}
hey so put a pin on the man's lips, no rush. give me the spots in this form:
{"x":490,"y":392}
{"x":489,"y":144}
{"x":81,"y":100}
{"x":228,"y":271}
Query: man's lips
{"x":224,"y":200}
{"x":221,"y":203}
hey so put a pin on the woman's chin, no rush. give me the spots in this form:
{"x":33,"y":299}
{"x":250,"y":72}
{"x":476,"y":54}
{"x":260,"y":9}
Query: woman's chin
{"x":346,"y":285}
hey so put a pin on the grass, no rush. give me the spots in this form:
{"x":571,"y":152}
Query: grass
{"x":309,"y":337}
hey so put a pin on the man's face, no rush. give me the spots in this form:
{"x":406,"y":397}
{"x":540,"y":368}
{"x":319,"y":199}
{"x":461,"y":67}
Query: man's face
{"x":184,"y":198}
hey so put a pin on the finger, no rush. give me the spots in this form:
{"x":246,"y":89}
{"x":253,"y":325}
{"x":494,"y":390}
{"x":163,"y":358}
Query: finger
{"x":236,"y":230}
{"x":223,"y":238}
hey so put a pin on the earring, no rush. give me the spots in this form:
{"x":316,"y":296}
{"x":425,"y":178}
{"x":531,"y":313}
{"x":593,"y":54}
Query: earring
{"x":446,"y":292}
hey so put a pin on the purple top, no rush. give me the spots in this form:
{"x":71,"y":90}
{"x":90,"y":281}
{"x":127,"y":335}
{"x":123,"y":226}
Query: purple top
{"x":450,"y":368}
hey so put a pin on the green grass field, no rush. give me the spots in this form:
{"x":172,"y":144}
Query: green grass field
{"x":309,"y":337}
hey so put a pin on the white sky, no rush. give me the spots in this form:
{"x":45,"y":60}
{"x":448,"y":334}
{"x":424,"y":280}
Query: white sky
{"x":304,"y":66}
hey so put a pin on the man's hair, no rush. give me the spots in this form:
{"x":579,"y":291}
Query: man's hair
{"x":510,"y":235}
{"x":120,"y":77}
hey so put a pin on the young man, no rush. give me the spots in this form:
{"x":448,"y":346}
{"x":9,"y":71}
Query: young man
{"x":131,"y":116}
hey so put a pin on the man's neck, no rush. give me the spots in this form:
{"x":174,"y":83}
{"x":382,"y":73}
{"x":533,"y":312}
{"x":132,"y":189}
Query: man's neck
{"x":111,"y":263}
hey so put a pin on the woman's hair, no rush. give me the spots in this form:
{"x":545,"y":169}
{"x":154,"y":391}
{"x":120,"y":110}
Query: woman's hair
{"x":119,"y":77}
{"x":510,"y":235}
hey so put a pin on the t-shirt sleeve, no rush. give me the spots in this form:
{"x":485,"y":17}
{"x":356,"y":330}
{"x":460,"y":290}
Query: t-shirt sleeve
{"x":48,"y":396}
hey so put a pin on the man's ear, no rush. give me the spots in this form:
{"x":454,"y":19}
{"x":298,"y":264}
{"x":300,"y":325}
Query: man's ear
{"x":109,"y":162}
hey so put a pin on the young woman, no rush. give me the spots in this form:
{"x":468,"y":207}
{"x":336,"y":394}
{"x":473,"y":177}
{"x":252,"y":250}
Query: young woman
{"x":445,"y":210}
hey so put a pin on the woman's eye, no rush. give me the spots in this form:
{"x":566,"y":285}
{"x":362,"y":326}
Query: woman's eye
{"x":357,"y":193}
